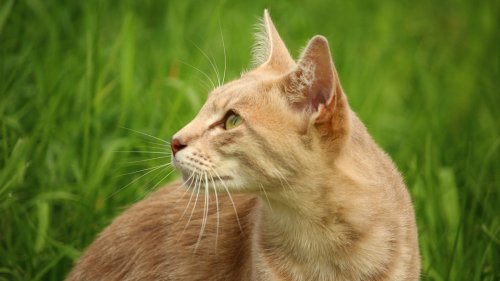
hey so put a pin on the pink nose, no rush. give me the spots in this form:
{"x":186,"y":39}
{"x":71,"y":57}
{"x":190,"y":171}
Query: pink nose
{"x":176,"y":145}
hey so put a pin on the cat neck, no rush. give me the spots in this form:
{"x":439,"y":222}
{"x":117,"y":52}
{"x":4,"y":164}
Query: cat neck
{"x":313,"y":235}
{"x":293,"y":239}
{"x":298,"y":230}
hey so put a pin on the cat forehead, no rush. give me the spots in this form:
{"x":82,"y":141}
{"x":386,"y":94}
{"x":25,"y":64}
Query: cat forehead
{"x":238,"y":93}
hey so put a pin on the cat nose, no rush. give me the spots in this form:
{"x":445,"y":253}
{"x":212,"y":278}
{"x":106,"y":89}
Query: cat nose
{"x":176,"y":145}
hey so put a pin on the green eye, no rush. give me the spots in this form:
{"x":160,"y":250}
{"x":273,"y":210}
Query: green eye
{"x":232,"y":120}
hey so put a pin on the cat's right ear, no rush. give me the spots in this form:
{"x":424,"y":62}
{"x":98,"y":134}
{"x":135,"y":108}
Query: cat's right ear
{"x":269,"y":50}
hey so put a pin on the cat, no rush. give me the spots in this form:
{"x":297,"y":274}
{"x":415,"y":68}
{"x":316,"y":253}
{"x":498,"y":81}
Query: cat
{"x":293,"y":188}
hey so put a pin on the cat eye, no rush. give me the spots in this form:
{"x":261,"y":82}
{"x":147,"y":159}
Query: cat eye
{"x":232,"y":120}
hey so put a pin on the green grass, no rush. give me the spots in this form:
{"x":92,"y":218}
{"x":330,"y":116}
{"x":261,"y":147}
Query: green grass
{"x":424,"y":76}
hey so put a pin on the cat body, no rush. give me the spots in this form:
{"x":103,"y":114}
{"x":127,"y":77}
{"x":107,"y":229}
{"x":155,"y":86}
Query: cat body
{"x":281,"y":181}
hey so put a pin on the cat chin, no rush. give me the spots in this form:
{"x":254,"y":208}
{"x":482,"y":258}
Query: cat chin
{"x":201,"y":180}
{"x":216,"y":184}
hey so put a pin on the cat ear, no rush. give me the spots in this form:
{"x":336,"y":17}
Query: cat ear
{"x":313,"y":83}
{"x":313,"y":88}
{"x":269,"y":50}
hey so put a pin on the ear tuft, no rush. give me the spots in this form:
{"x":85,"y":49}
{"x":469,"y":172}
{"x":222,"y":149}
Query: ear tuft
{"x":262,"y":46}
{"x":269,"y":50}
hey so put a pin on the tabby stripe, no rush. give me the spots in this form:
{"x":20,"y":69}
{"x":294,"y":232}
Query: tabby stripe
{"x":246,"y":160}
{"x":249,"y":161}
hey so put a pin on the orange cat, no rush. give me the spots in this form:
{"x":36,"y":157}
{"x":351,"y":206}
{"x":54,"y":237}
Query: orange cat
{"x":313,"y":196}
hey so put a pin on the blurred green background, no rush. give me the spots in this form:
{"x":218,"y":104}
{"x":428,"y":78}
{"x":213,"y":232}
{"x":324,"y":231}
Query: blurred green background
{"x":423,"y":75}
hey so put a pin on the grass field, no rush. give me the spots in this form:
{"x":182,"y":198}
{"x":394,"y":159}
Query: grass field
{"x":423,"y":75}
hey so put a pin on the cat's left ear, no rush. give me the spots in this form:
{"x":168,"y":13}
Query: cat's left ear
{"x":313,"y":83}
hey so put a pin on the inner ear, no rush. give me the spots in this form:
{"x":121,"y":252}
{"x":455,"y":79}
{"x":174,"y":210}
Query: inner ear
{"x":311,"y":83}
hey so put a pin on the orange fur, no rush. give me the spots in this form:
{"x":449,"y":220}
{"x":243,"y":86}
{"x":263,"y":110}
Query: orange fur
{"x":313,"y":196}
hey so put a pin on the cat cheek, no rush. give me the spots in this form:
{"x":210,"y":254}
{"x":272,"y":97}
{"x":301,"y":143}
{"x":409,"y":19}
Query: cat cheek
{"x":225,"y":142}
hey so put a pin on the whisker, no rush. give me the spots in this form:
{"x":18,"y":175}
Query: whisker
{"x":177,"y":188}
{"x":200,"y":71}
{"x":196,"y":182}
{"x":191,"y":197}
{"x":150,"y":190}
{"x":121,"y":188}
{"x":195,"y":202}
{"x":217,"y":212}
{"x":168,"y":174}
{"x":161,"y":148}
{"x":148,"y":135}
{"x":146,"y":169}
{"x":225,"y":57}
{"x":230,"y":198}
{"x":181,"y":185}
{"x":143,"y":151}
{"x":214,"y":66}
{"x":207,"y":87}
{"x":186,"y":189}
{"x":148,"y":143}
{"x":189,"y":181}
{"x":205,"y":213}
{"x":265,"y":194}
{"x":280,"y":176}
{"x":146,"y":160}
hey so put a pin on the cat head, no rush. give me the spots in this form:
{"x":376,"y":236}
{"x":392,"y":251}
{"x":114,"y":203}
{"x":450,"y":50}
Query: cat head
{"x":279,"y":124}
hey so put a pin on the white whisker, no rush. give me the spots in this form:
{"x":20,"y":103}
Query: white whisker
{"x":146,"y":169}
{"x":160,"y":148}
{"x":225,"y":56}
{"x":194,"y":182}
{"x":230,"y":198}
{"x":158,"y":183}
{"x":148,"y":144}
{"x":280,"y":177}
{"x":144,"y":134}
{"x":143,"y":151}
{"x":120,"y":189}
{"x":205,"y":213}
{"x":207,"y":87}
{"x":217,"y":210}
{"x":202,"y":72}
{"x":178,"y":187}
{"x":154,"y":142}
{"x":265,"y":194}
{"x":214,"y":66}
{"x":190,"y":182}
{"x":186,"y":189}
{"x":149,"y":190}
{"x":198,"y":187}
{"x":146,"y":160}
